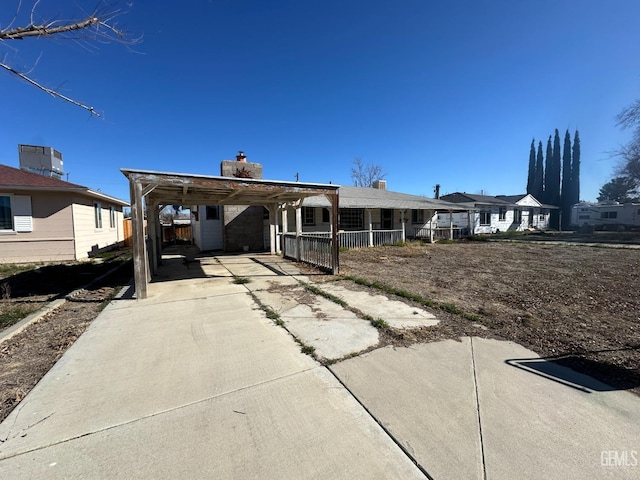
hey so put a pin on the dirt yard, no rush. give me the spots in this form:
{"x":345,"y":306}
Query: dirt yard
{"x":575,"y":303}
{"x":27,"y":356}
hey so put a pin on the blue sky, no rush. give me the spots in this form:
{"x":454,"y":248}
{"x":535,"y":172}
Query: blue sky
{"x":434,"y":92}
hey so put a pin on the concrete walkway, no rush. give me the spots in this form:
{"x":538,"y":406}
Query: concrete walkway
{"x":196,"y":382}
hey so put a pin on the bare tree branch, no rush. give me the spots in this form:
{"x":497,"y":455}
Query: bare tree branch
{"x":53,"y":93}
{"x":99,"y":26}
{"x":46,"y":30}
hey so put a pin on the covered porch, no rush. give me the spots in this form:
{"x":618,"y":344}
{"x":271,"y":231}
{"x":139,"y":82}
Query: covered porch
{"x":151,"y":191}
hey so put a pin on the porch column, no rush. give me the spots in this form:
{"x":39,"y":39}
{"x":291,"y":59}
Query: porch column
{"x":403,"y":221}
{"x":370,"y":228}
{"x":298,"y":230}
{"x":273,"y":225}
{"x":335,"y":247}
{"x":435,"y":214}
{"x":285,"y":226}
{"x":470,"y":227}
{"x":278,"y":230}
{"x":140,"y":265}
{"x":450,"y":225}
{"x":152,"y":230}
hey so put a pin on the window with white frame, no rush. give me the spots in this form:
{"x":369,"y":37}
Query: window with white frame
{"x":308,"y":216}
{"x":543,"y":213}
{"x":97,"y":212}
{"x":609,"y":215}
{"x":502,"y":214}
{"x":485,"y":217}
{"x":351,"y":218}
{"x":112,"y":217}
{"x":6,"y":218}
{"x":417,"y":216}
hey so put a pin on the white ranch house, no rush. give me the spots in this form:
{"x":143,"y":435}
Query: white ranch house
{"x":502,"y":213}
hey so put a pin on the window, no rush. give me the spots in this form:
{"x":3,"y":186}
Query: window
{"x":308,"y":216}
{"x":609,"y":215}
{"x":517,"y":216}
{"x":15,"y":213}
{"x":417,"y":216}
{"x":97,"y":211}
{"x":213,"y":212}
{"x":351,"y":219}
{"x":6,"y":220}
{"x":583,"y":217}
{"x":112,"y":217}
{"x":502,"y":214}
{"x":485,"y":218}
{"x":326,"y":215}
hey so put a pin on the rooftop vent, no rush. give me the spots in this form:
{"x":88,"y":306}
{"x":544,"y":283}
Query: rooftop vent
{"x":380,"y":184}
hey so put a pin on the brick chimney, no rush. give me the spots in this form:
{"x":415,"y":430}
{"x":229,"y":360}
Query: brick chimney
{"x":380,"y":184}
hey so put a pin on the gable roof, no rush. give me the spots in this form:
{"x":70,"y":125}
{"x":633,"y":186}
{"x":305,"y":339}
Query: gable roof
{"x":363,"y":197}
{"x":513,"y":198}
{"x":463,"y":197}
{"x":17,"y":179}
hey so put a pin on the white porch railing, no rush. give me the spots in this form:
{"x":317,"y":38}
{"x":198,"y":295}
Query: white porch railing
{"x":442,"y":233}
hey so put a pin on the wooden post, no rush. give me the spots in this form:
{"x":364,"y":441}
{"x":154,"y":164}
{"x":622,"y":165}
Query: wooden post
{"x":435,"y":214}
{"x":298,"y":231}
{"x":273,"y":222}
{"x":471,"y":229}
{"x":404,"y":234}
{"x":153,"y":225}
{"x":450,"y":225}
{"x":335,"y":247}
{"x":139,"y":247}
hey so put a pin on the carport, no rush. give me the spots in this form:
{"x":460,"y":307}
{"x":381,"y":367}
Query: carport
{"x":152,"y":190}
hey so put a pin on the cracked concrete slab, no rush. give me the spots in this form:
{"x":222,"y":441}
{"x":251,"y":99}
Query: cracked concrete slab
{"x":397,"y":314}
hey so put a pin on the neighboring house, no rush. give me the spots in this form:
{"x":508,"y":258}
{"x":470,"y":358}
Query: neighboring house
{"x":502,"y":213}
{"x":375,"y":209}
{"x":47,"y":219}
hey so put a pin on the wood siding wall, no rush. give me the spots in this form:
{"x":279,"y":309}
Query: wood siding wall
{"x":89,"y":239}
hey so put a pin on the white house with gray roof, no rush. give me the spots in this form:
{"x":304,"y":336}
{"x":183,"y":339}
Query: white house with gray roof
{"x":378,"y":210}
{"x":502,"y":213}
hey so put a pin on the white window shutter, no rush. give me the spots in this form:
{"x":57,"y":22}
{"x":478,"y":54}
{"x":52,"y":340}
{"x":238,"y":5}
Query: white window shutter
{"x":21,"y":209}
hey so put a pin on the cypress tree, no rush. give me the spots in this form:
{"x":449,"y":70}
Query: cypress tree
{"x":575,"y":170}
{"x":532,"y":168}
{"x":553,"y":184}
{"x":539,"y":185}
{"x":566,"y":198}
{"x":547,"y":172}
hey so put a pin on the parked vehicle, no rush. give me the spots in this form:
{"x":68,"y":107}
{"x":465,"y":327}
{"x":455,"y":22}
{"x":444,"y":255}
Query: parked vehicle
{"x":612,"y":216}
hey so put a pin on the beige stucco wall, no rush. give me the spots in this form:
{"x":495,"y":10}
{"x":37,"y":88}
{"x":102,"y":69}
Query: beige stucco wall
{"x":52,"y":235}
{"x":62,"y":230}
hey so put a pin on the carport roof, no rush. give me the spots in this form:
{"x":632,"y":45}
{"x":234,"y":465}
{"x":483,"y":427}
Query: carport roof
{"x":195,"y":189}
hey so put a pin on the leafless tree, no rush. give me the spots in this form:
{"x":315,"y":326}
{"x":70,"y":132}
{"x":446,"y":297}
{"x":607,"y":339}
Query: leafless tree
{"x":363,"y":175}
{"x":630,"y":153}
{"x":98,"y":26}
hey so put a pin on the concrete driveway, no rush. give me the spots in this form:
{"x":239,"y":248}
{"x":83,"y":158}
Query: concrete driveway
{"x":196,"y":382}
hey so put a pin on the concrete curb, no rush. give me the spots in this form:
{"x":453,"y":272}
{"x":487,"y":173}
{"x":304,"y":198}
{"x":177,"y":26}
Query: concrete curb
{"x":32,"y":318}
{"x":51,"y":306}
